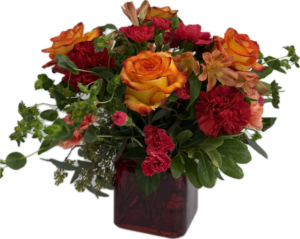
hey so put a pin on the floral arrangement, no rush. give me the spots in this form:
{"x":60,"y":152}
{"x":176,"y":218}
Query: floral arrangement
{"x":158,"y":90}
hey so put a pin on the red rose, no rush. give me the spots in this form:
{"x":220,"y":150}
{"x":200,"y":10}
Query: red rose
{"x":157,"y":140}
{"x":119,"y":118}
{"x":161,"y":23}
{"x":139,"y":34}
{"x":84,"y":57}
{"x":222,"y":111}
{"x":155,"y":164}
{"x":184,"y":93}
{"x":188,"y":33}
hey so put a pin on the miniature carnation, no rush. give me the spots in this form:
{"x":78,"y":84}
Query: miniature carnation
{"x":155,"y":164}
{"x":119,"y":118}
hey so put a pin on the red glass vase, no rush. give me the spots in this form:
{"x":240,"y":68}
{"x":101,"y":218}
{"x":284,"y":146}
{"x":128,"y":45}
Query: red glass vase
{"x":167,"y":212}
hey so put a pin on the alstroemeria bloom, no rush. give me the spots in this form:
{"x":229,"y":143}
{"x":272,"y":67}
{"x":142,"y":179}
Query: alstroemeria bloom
{"x":186,"y":63}
{"x":244,"y":50}
{"x":151,"y":77}
{"x":64,"y":43}
{"x":131,"y":12}
{"x":247,"y":80}
{"x":217,"y":69}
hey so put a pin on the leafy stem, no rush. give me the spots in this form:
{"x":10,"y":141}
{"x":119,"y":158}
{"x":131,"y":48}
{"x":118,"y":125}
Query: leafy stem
{"x":274,"y":59}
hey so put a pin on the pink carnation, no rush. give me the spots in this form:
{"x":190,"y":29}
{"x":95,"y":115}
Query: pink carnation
{"x":87,"y":121}
{"x":257,"y":110}
{"x":155,"y":164}
{"x":119,"y":118}
{"x":157,"y":140}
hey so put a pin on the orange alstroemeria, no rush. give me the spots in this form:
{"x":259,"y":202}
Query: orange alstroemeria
{"x":131,"y":12}
{"x":64,"y":43}
{"x":244,"y":50}
{"x":217,"y":69}
{"x":151,"y":77}
{"x":247,"y":80}
{"x":186,"y":63}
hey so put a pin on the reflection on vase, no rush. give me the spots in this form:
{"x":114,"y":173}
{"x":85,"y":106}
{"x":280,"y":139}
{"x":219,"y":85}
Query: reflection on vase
{"x":167,"y":212}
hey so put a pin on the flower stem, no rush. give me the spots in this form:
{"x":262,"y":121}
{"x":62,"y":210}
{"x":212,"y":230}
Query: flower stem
{"x":150,"y":118}
{"x":138,"y":142}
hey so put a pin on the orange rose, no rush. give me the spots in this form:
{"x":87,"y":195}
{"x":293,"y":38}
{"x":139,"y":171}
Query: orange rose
{"x":151,"y":77}
{"x":161,"y":12}
{"x":64,"y":43}
{"x":244,"y":50}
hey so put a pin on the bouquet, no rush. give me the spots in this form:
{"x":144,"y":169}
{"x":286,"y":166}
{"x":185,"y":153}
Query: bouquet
{"x":161,"y":91}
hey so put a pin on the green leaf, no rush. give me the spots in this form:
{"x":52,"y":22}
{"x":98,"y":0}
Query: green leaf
{"x":166,"y":47}
{"x":206,"y":173}
{"x":47,"y":145}
{"x":215,"y":157}
{"x":105,"y":74}
{"x":197,"y":139}
{"x":90,"y":135}
{"x":231,"y":169}
{"x":84,"y":164}
{"x":173,"y":97}
{"x":97,"y":193}
{"x":109,"y":26}
{"x":257,"y":148}
{"x":64,"y":62}
{"x":275,"y":94}
{"x":235,"y":150}
{"x":50,"y":115}
{"x":148,"y":184}
{"x":113,"y":84}
{"x":274,"y":64}
{"x":285,"y":63}
{"x":1,"y":173}
{"x":195,"y":87}
{"x":43,"y":82}
{"x":161,"y":113}
{"x":177,"y":167}
{"x":191,"y":153}
{"x":263,"y":74}
{"x":99,"y":69}
{"x":62,"y":165}
{"x":291,"y":50}
{"x":76,"y":175}
{"x":191,"y":171}
{"x":163,"y":174}
{"x":183,"y":137}
{"x":210,"y":144}
{"x":16,"y":160}
{"x":121,"y":150}
{"x":268,"y":123}
{"x":59,"y":100}
{"x":81,"y":152}
{"x":137,"y":152}
{"x":59,"y":130}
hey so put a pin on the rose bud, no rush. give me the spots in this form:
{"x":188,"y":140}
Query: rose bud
{"x":121,"y":119}
{"x":261,"y":88}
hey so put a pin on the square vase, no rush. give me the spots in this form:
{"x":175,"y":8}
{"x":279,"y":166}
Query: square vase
{"x":167,"y":212}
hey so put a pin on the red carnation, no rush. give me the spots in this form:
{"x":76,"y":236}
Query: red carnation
{"x":161,"y":23}
{"x":156,"y":164}
{"x":222,"y":111}
{"x":157,"y":140}
{"x":188,"y":33}
{"x":139,"y":34}
{"x":84,"y":57}
{"x":125,"y":30}
{"x":119,"y":118}
{"x":184,"y":93}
